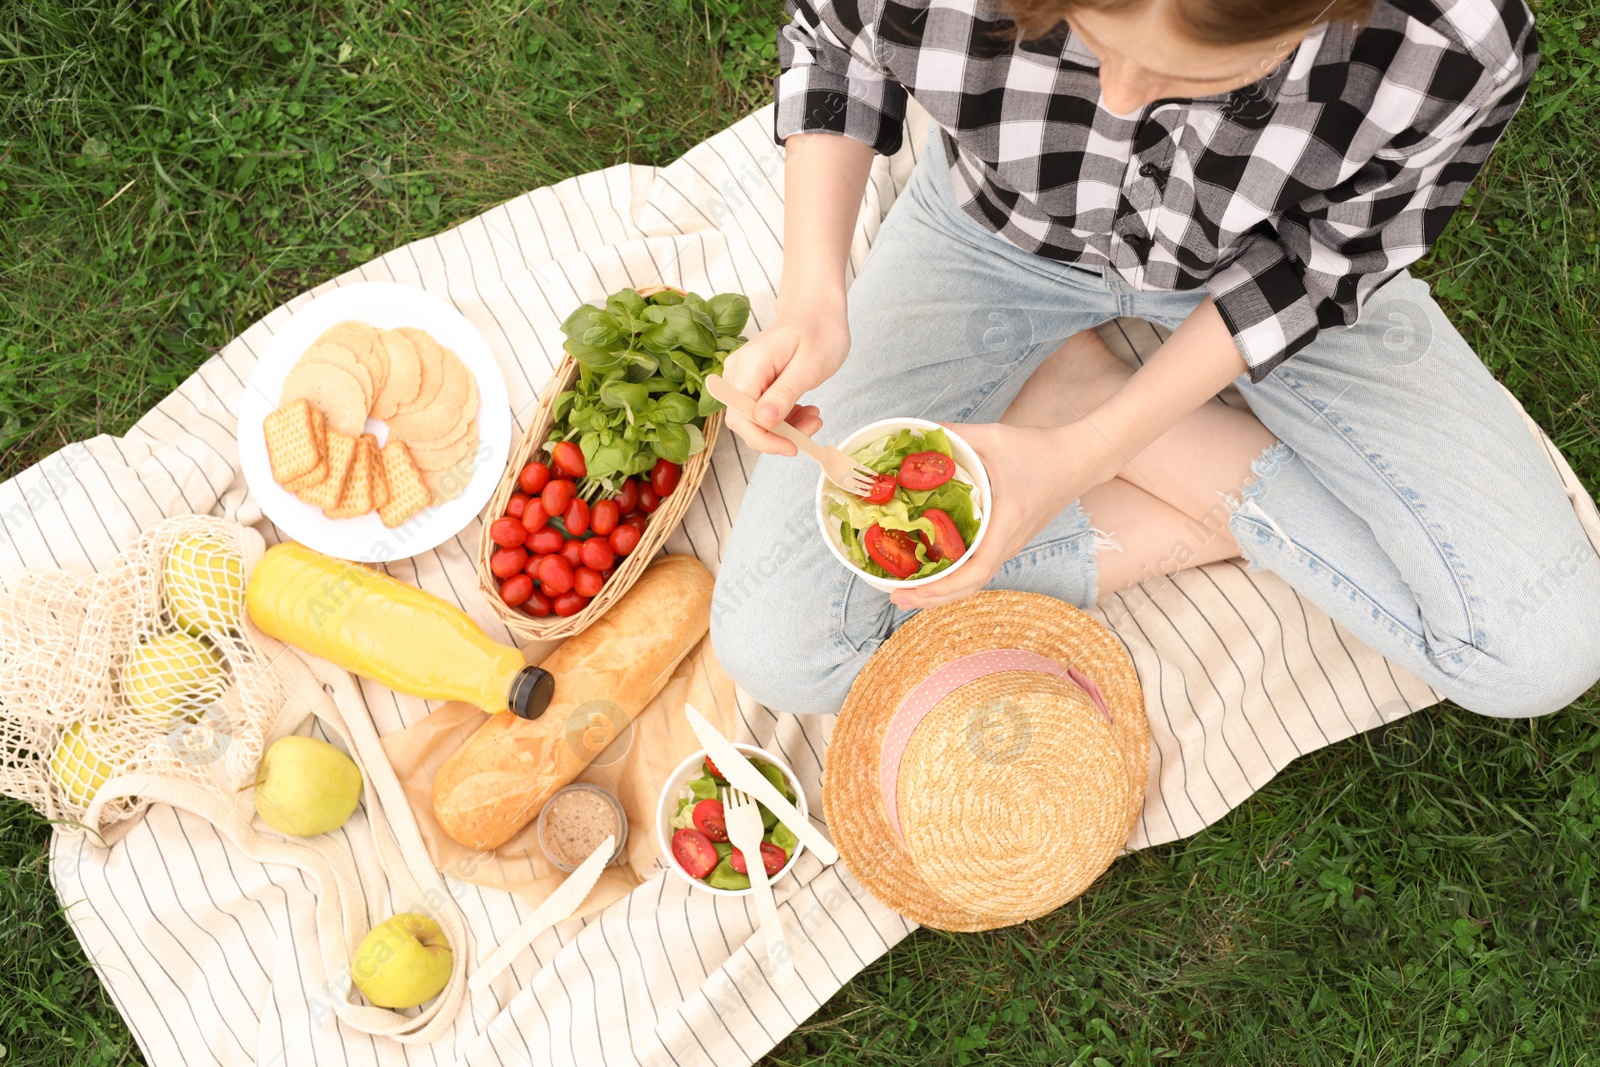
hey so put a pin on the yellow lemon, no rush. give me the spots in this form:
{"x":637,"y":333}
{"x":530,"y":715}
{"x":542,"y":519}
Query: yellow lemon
{"x":204,"y":584}
{"x":172,"y":675}
{"x":77,"y":767}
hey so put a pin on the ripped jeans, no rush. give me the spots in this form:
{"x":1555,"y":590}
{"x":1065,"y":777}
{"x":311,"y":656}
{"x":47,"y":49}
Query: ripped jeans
{"x":1407,"y":500}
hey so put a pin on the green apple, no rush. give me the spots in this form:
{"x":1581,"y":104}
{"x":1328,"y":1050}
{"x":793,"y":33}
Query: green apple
{"x":402,"y":961}
{"x":204,"y":585}
{"x":306,"y":787}
{"x":76,"y":765}
{"x":171,"y":676}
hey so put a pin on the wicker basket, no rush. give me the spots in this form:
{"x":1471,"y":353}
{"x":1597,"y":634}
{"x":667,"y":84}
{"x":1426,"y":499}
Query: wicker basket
{"x":663,"y":521}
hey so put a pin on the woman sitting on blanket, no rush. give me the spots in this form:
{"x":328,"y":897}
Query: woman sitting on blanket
{"x":1254,"y":175}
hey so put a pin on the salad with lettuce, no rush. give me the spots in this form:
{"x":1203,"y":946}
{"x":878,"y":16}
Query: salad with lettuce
{"x":700,"y":830}
{"x":919,"y":517}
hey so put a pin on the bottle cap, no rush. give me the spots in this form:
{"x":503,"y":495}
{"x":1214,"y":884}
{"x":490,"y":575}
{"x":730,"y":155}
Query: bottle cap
{"x":531,"y":691}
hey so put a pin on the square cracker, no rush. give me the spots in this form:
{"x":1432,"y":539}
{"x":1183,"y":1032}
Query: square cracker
{"x":356,"y":500}
{"x":407,"y":492}
{"x":320,"y":471}
{"x":341,"y":454}
{"x":294,"y":447}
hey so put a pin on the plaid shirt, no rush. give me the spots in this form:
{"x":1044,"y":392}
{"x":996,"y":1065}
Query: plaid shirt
{"x":1288,"y":200}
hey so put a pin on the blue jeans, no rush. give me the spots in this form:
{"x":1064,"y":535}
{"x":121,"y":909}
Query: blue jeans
{"x":1407,"y":499}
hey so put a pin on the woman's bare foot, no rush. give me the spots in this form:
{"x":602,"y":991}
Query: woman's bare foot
{"x":1078,"y":377}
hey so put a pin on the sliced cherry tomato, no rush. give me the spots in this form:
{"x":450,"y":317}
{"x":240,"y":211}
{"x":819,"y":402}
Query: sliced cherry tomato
{"x":557,"y":495}
{"x":882,"y":489}
{"x":555,"y":575}
{"x":893,"y":550}
{"x":712,"y":767}
{"x":507,"y":532}
{"x":946,"y":542}
{"x":598,"y":553}
{"x":628,"y":499}
{"x":570,"y":604}
{"x":538,"y":605}
{"x":694,"y":852}
{"x":576,"y":517}
{"x":624,"y":539}
{"x":534,"y":516}
{"x":772,"y":858}
{"x":649,"y":499}
{"x":545,"y":541}
{"x":604,"y":516}
{"x":508,"y":561}
{"x":517,"y":504}
{"x":710,"y":820}
{"x":516,"y":590}
{"x":533,"y":478}
{"x":572,"y":551}
{"x":567,"y":458}
{"x":586,"y":582}
{"x":664,"y":477}
{"x":926,"y":470}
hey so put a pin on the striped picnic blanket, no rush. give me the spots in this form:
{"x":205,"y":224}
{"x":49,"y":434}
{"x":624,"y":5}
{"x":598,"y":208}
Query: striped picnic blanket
{"x":206,"y":952}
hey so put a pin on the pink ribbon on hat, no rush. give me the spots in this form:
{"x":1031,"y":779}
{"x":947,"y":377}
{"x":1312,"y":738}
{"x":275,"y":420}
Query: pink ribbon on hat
{"x":946,"y":680}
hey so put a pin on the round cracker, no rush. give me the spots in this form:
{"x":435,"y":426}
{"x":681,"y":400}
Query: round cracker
{"x":403,"y":379}
{"x":432,"y":359}
{"x":450,"y":437}
{"x":447,"y":484}
{"x":362,"y":341}
{"x":445,"y":413}
{"x":445,"y":456}
{"x":343,"y":358}
{"x":332,"y":390}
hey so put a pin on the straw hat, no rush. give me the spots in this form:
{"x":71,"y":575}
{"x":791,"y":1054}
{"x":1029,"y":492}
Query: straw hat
{"x":989,"y":761}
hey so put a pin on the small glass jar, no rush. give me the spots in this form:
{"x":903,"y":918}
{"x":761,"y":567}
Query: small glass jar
{"x":556,"y":840}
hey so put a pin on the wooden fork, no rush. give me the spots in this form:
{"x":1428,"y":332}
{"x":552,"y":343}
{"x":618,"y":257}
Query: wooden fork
{"x":841,"y":470}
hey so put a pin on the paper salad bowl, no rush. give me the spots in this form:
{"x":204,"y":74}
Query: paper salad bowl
{"x":667,"y":807}
{"x":969,"y":468}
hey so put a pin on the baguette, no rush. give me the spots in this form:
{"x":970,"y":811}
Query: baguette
{"x":495,"y":783}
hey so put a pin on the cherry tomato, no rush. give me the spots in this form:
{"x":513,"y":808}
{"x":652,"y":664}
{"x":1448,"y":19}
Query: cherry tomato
{"x":555,"y":575}
{"x":893,"y":550}
{"x":628,"y":499}
{"x":570,"y":604}
{"x":637,"y":521}
{"x":532,"y":567}
{"x":508,"y":561}
{"x":533,"y":478}
{"x":624,"y":539}
{"x":586,"y":582}
{"x":545,"y":541}
{"x":712,"y":767}
{"x":926,"y":470}
{"x":598,"y":553}
{"x":557,"y":495}
{"x":772,"y":858}
{"x":694,"y":852}
{"x":576,"y":517}
{"x":516,"y":505}
{"x":710,"y":820}
{"x":516,"y":590}
{"x":572,"y":551}
{"x":882,"y":489}
{"x":538,"y":605}
{"x":946,"y":542}
{"x":507,"y":532}
{"x":604,"y":516}
{"x":606,"y":574}
{"x":567,"y":458}
{"x":664,"y":477}
{"x":649,"y":499}
{"x":534,"y":516}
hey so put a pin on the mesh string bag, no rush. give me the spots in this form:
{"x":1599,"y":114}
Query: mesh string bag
{"x":146,"y":683}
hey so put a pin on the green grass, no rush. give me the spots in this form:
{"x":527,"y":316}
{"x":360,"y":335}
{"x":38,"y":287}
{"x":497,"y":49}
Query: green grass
{"x":171,"y":171}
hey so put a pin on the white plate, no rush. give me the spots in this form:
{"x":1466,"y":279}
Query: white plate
{"x":366,"y":539}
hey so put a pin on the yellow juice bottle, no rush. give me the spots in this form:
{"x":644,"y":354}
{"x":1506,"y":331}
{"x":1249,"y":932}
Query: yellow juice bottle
{"x":396,"y":634}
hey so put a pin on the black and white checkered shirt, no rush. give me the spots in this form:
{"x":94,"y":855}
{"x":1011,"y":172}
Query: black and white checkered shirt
{"x":1289,"y":200}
